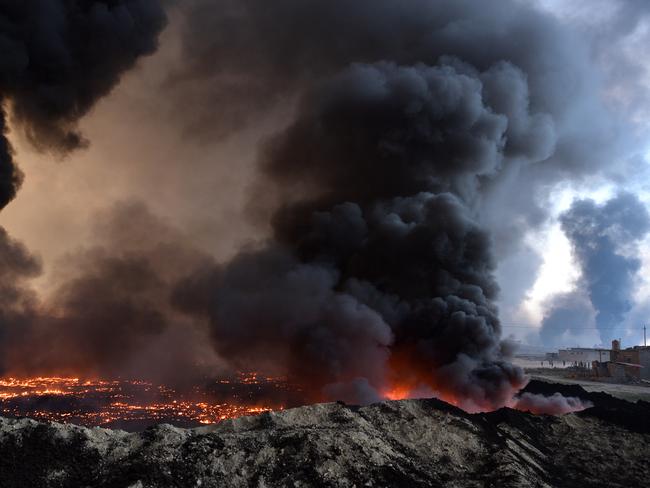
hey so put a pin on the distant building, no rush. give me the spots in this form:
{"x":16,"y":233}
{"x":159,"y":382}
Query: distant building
{"x":583,"y":355}
{"x":623,"y":371}
{"x":637,"y":360}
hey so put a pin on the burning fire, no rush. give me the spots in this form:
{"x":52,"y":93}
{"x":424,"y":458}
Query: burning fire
{"x":397,"y":393}
{"x":527,"y":402}
{"x":137,"y":403}
{"x":406,"y":391}
{"x":111,"y":402}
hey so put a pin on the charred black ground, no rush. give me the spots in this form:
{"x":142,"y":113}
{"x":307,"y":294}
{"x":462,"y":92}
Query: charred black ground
{"x":403,"y":443}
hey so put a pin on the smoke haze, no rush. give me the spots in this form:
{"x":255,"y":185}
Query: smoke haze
{"x":555,"y":404}
{"x":413,"y":145}
{"x":108,"y":315}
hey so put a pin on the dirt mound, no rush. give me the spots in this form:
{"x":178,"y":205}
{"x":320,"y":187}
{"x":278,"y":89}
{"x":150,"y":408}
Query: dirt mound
{"x":404,"y":443}
{"x":631,"y":416}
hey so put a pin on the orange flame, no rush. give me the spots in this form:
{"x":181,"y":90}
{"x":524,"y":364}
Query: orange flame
{"x":120,"y":402}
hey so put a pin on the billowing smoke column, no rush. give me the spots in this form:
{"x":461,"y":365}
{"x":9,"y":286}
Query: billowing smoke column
{"x":568,"y":317}
{"x":604,"y":239}
{"x":380,"y":274}
{"x":378,"y":280}
{"x":58,"y":58}
{"x":414,"y":128}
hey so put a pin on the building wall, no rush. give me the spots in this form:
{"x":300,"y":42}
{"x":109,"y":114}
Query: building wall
{"x":616,"y":371}
{"x":627,"y":356}
{"x":621,"y":372}
{"x":644,"y":360}
{"x":583,"y":355}
{"x":635,"y":355}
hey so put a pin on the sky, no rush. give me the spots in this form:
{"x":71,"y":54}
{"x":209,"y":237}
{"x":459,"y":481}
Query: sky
{"x":205,"y":184}
{"x":618,"y":34}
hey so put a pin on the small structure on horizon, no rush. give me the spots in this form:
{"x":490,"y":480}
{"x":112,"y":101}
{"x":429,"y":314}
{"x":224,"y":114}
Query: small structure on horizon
{"x":583,"y":356}
{"x":628,"y":364}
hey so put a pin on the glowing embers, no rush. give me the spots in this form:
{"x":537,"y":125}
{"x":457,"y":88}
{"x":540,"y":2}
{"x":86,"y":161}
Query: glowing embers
{"x":397,"y":393}
{"x":136,"y":403}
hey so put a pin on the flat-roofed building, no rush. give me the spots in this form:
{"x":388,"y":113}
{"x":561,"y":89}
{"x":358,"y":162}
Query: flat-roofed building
{"x":583,"y":355}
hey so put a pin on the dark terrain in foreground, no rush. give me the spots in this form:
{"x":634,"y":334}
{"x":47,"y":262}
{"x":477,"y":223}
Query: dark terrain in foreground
{"x":411,"y":443}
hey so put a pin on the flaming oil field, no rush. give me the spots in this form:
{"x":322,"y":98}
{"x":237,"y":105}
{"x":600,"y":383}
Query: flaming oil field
{"x":302,"y":242}
{"x":134,"y":404}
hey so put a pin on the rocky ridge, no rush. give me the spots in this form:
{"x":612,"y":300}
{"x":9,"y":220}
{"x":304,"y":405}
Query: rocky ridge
{"x":410,"y":443}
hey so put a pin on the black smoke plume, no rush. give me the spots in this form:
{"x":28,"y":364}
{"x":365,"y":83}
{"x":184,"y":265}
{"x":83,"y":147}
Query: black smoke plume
{"x":108,"y":314}
{"x":604,"y":239}
{"x":17,"y":301}
{"x":567,"y":317}
{"x":58,"y":58}
{"x":413,"y":120}
{"x":420,"y":135}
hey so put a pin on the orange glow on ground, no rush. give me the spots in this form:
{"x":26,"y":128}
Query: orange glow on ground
{"x":104,"y":402}
{"x":397,"y":393}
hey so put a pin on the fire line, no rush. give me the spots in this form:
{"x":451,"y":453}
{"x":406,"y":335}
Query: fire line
{"x":99,"y":402}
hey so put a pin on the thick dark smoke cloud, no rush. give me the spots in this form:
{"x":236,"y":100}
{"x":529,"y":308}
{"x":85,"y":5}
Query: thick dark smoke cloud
{"x":414,"y":125}
{"x":10,"y":176}
{"x":246,"y":56}
{"x":17,"y":301}
{"x":568,"y":318}
{"x":409,"y":129}
{"x":109,"y":312}
{"x":273,"y":312}
{"x":604,"y":239}
{"x":417,"y":141}
{"x":58,"y":58}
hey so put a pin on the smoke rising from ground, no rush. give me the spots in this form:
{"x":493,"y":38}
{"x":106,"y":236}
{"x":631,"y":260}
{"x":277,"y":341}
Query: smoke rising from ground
{"x":555,"y":404}
{"x":17,"y":301}
{"x":604,"y":239}
{"x":109,"y":313}
{"x":416,"y":142}
{"x":565,"y":312}
{"x":414,"y":125}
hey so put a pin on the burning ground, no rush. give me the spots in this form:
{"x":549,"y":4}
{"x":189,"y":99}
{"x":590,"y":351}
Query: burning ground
{"x":411,"y":156}
{"x":414,"y":145}
{"x":136,"y":404}
{"x":394,"y":443}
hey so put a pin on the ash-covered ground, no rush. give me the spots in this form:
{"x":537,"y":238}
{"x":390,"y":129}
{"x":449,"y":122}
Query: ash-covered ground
{"x":410,"y":443}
